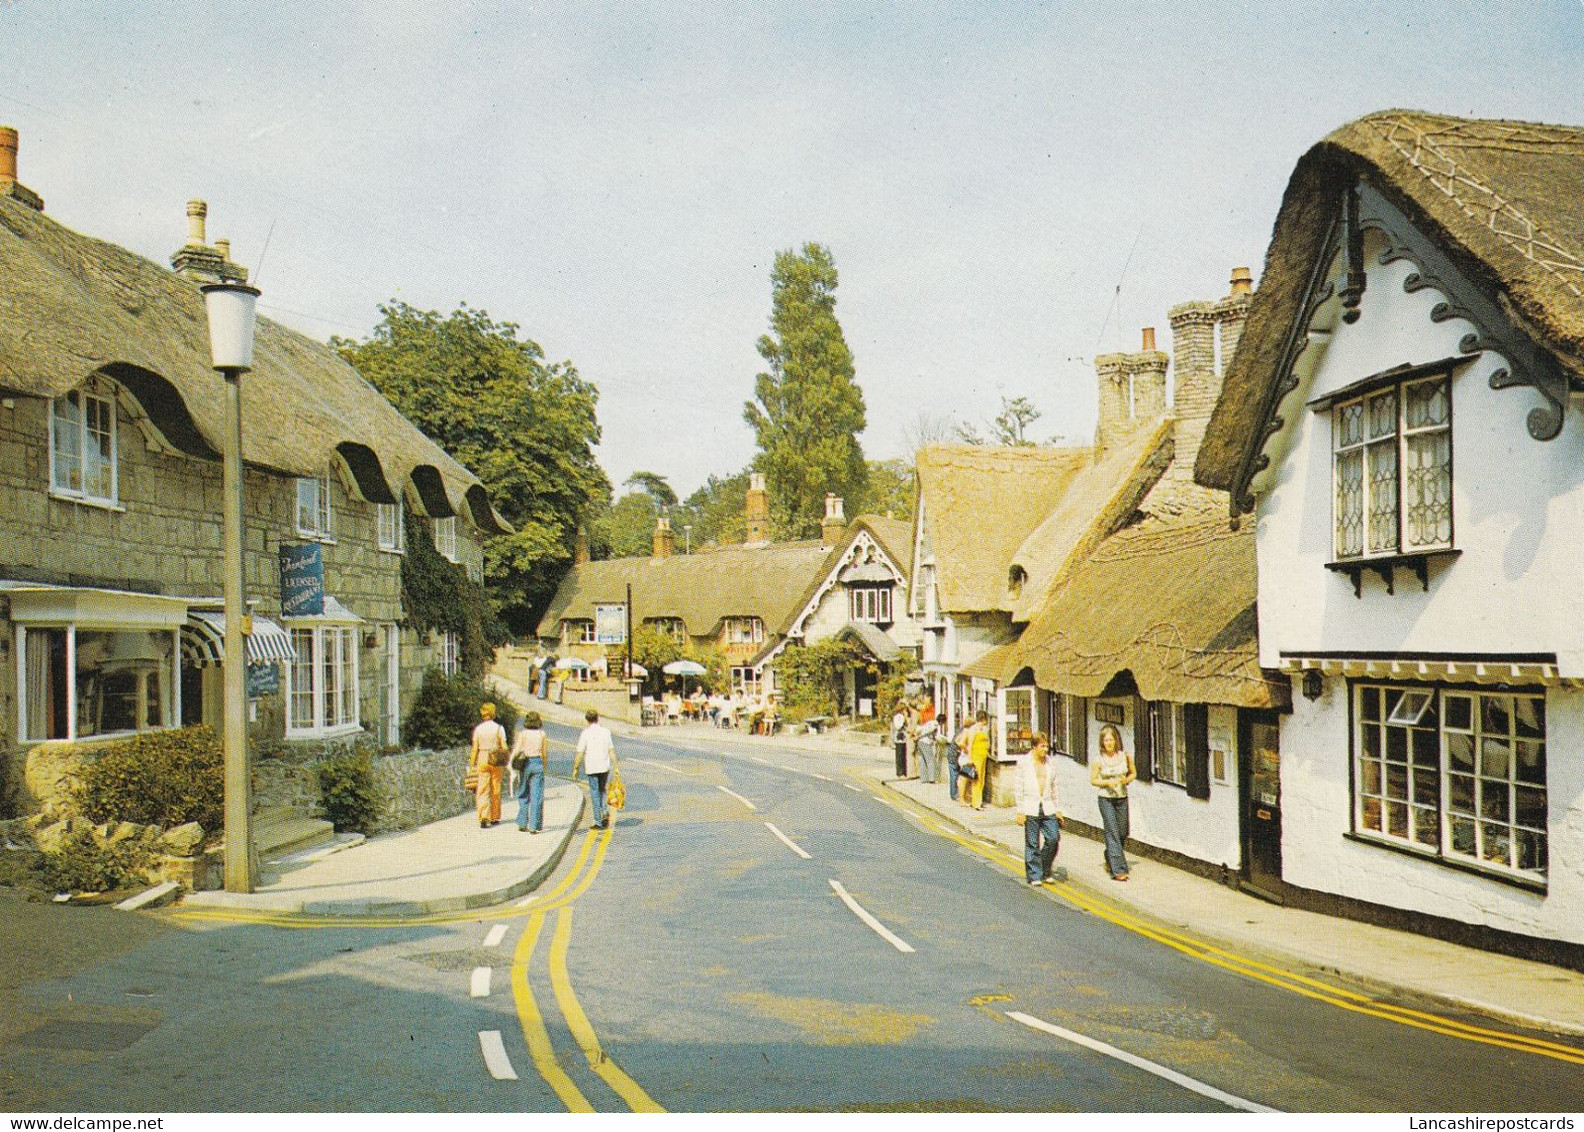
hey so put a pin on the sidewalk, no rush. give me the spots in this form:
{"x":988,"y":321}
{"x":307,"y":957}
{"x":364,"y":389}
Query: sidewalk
{"x":1516,"y":990}
{"x":445,"y":866}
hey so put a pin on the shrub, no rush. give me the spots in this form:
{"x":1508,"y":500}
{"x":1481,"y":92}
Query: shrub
{"x":83,"y":864}
{"x":346,"y":784}
{"x":446,"y":709}
{"x":161,"y":778}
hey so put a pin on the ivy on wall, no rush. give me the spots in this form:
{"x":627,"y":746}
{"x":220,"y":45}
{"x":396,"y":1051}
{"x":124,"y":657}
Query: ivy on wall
{"x":438,"y":596}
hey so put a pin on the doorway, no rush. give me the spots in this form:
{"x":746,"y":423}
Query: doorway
{"x":1259,"y":797}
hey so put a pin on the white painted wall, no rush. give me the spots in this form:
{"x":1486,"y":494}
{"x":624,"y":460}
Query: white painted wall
{"x":1161,"y":814}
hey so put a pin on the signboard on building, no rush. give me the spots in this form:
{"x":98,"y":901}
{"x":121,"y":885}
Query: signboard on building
{"x":610,"y":624}
{"x":1109,"y":713}
{"x":263,"y":680}
{"x":302,"y":579}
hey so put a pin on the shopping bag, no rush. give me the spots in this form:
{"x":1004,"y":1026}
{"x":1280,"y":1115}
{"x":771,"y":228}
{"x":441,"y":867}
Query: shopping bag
{"x":615,"y":793}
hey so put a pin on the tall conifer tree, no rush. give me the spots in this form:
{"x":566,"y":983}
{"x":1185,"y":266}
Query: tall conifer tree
{"x":807,"y":410}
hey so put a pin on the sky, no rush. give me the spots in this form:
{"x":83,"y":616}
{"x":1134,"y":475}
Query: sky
{"x":1008,"y":188}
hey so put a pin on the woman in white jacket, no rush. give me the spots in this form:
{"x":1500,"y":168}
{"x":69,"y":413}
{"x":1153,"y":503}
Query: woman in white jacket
{"x":1035,"y":780}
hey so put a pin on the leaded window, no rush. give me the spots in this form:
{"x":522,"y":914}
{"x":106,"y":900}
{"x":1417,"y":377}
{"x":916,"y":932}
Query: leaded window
{"x":1392,"y":470}
{"x":1457,"y":773}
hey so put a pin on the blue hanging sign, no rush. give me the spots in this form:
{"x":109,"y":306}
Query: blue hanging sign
{"x":302,"y":579}
{"x":263,"y":680}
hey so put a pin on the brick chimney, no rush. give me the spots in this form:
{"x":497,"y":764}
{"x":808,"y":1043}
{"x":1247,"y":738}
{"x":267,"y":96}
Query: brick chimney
{"x":664,"y":541}
{"x":9,"y":185}
{"x":580,"y":548}
{"x":1204,"y":338}
{"x":834,"y":524}
{"x":757,"y":511}
{"x":1132,"y":390}
{"x":197,"y":260}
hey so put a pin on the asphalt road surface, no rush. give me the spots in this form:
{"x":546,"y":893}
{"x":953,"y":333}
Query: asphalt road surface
{"x":761,"y":930}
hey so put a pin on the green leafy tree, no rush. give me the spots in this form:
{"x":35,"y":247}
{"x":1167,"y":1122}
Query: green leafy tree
{"x":892,"y":488}
{"x":526,"y":427}
{"x":807,"y":409}
{"x":716,"y":511}
{"x":655,"y":486}
{"x":1011,"y":426}
{"x":625,"y":528}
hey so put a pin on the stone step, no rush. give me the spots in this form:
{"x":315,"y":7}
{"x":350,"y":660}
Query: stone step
{"x":272,"y":813}
{"x":279,"y":837}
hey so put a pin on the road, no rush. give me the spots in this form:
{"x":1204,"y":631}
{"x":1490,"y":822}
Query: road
{"x":762,"y":930}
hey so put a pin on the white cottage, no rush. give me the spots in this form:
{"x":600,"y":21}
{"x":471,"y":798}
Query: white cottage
{"x":1400,"y":420}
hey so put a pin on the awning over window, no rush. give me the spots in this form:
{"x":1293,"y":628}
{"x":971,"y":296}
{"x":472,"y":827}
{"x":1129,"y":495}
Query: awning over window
{"x":203,"y":641}
{"x":1492,"y":668}
{"x":334,"y":614}
{"x":88,"y":608}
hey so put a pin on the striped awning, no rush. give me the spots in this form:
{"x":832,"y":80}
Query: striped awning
{"x":203,"y":641}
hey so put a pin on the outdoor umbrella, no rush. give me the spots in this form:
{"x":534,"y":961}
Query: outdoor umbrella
{"x":684,"y":669}
{"x":567,"y":662}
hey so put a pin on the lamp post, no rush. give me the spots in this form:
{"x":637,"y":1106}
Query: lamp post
{"x":231,"y":322}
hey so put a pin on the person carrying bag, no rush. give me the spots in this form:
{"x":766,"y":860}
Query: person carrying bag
{"x":487,"y":758}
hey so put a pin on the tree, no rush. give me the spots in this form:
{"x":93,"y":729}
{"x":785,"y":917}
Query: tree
{"x":655,"y":486}
{"x":716,"y":511}
{"x":893,"y":487}
{"x":927,"y":428}
{"x":625,"y":528}
{"x":525,"y":427}
{"x":966,"y":432}
{"x":1010,"y":428}
{"x":807,"y":410}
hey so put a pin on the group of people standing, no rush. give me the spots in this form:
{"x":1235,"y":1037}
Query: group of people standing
{"x":961,"y":761}
{"x":490,"y":759}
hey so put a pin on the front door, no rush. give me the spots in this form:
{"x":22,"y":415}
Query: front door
{"x":1259,"y":781}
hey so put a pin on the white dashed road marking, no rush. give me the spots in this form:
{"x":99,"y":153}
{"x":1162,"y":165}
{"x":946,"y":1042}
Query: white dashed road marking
{"x":1171,"y":1075}
{"x":738,"y":796}
{"x":788,"y":842}
{"x":851,"y":787}
{"x":821,"y":777}
{"x":880,"y":929}
{"x":757,"y":759}
{"x":495,"y":1059}
{"x":661,"y":766}
{"x":496,"y":934}
{"x":480,"y":986}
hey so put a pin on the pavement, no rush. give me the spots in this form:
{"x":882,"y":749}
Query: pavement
{"x":452,"y":864}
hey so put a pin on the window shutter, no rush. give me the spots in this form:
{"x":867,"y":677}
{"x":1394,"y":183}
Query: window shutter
{"x":1143,"y":740}
{"x":1078,"y":727}
{"x":1196,"y":728}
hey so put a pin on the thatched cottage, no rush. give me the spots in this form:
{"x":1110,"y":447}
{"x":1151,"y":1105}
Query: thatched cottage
{"x":110,"y":482}
{"x":1400,"y":423}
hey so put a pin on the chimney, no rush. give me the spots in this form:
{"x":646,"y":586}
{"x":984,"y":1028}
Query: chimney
{"x":1204,"y":338}
{"x":197,"y":260}
{"x":757,"y":512}
{"x":580,"y":548}
{"x":663,"y":538}
{"x":9,"y":185}
{"x":834,"y":524}
{"x":1132,"y":390}
{"x":1234,"y":310}
{"x":1242,"y":282}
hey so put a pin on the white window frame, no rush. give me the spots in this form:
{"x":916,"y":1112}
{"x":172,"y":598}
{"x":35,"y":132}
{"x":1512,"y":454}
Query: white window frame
{"x":329,"y":656}
{"x":313,"y":506}
{"x":169,"y":698}
{"x":746,"y":678}
{"x":1399,"y":440}
{"x":870,"y":604}
{"x":579,"y":631}
{"x":1476,"y":768}
{"x":445,"y":537}
{"x":79,"y":405}
{"x":744,"y":630}
{"x":450,"y":653}
{"x":1168,"y":741}
{"x":392,"y":528}
{"x":673,"y":627}
{"x":387,"y":688}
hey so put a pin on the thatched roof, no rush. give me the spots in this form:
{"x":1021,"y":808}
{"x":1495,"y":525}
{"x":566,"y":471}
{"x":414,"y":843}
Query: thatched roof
{"x":1169,"y":598}
{"x":1504,"y":201}
{"x":71,"y":306}
{"x":980,"y":503}
{"x":895,"y":537}
{"x":1097,"y":501}
{"x":701,"y":589}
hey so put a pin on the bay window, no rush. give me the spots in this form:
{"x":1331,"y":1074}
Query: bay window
{"x":323,"y":696}
{"x":81,"y":683}
{"x":1454,"y":773}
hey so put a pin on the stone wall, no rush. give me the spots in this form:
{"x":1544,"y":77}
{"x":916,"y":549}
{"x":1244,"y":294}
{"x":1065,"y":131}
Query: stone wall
{"x":415,"y":787}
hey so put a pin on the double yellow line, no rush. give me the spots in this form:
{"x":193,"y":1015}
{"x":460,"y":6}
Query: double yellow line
{"x":1249,"y":968}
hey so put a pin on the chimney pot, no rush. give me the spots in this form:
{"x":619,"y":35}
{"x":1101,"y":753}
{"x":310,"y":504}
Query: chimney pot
{"x":224,"y":248}
{"x":197,"y":211}
{"x":8,"y":153}
{"x":1149,"y":339}
{"x":1242,"y":281}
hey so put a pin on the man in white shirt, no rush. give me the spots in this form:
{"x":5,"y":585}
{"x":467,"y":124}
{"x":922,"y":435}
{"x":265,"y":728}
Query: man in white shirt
{"x":596,"y":753}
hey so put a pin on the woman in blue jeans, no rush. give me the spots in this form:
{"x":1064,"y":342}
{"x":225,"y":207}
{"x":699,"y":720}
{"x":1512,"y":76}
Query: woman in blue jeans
{"x":1110,"y":773}
{"x":528,"y":761}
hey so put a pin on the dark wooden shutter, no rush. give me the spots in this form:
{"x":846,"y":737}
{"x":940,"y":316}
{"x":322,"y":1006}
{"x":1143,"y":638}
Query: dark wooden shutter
{"x":1196,"y":741}
{"x":1143,"y":740}
{"x":1078,"y":727}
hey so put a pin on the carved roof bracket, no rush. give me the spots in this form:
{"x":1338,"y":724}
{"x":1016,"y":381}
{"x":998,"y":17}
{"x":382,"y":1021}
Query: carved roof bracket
{"x":1528,"y":364}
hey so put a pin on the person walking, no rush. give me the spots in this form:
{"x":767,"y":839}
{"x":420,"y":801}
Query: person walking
{"x":899,"y":737}
{"x":1035,"y":781}
{"x":974,"y":743}
{"x":487,"y":758}
{"x":928,"y":729}
{"x":596,"y":754}
{"x":1110,"y":774}
{"x":528,"y":763}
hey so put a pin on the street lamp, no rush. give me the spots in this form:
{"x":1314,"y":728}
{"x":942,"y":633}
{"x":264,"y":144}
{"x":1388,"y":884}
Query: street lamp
{"x":231,"y":321}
